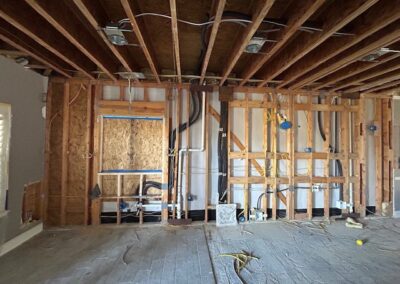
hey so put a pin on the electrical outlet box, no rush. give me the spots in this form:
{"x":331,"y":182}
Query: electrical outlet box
{"x":316,"y":188}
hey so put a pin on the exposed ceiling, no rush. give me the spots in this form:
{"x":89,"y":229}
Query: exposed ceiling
{"x":333,"y":45}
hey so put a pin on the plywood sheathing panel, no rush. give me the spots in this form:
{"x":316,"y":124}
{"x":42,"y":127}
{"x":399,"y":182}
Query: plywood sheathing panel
{"x":132,"y":144}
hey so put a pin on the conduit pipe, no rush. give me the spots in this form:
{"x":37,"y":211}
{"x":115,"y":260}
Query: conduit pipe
{"x":188,"y":150}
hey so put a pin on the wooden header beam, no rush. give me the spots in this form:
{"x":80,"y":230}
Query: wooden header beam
{"x":340,"y":14}
{"x":302,"y":10}
{"x":213,"y":36}
{"x":384,"y":37}
{"x":56,"y":13}
{"x":21,"y":16}
{"x":91,"y":10}
{"x":261,"y":12}
{"x":175,"y":38}
{"x":22,"y":42}
{"x":374,"y":19}
{"x":148,"y":52}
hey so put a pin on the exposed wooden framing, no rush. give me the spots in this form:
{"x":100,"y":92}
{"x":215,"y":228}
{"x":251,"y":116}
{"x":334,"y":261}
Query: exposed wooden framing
{"x":164,"y":191}
{"x":88,"y":140}
{"x":354,"y":69}
{"x":301,"y":12}
{"x":206,"y":162}
{"x":340,"y":14}
{"x":232,"y":137}
{"x":246,"y":199}
{"x":178,"y":99}
{"x":96,"y":17}
{"x":22,"y":42}
{"x":187,"y":165}
{"x":148,"y":52}
{"x":383,"y":69}
{"x":55,"y":12}
{"x":274,"y":161}
{"x":394,"y":76}
{"x":385,"y":87}
{"x":291,"y":163}
{"x":175,"y":39}
{"x":387,"y":157}
{"x":47,"y":149}
{"x":95,"y":204}
{"x":327,"y":130}
{"x":356,"y":162}
{"x":363,"y":157}
{"x":378,"y":156}
{"x":382,"y":14}
{"x":19,"y":14}
{"x":310,"y":162}
{"x":261,"y":12}
{"x":13,"y":53}
{"x":384,"y":37}
{"x":118,"y":203}
{"x":264,"y":199}
{"x":345,"y":138}
{"x":213,"y":36}
{"x":65,"y":150}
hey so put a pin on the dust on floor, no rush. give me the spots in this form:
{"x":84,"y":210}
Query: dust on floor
{"x":287,"y":252}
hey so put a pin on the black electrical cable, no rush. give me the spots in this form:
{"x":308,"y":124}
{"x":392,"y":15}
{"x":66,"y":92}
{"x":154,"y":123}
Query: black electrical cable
{"x":194,"y":116}
{"x":223,"y":152}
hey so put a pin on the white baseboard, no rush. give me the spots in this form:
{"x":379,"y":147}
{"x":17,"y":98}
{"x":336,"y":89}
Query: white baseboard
{"x":20,"y":239}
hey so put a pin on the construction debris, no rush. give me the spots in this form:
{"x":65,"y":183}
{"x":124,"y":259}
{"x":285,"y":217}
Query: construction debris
{"x":351,"y":223}
{"x":240,"y":260}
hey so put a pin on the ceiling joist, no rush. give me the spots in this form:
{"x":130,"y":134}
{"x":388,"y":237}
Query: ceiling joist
{"x":213,"y":36}
{"x":148,"y":52}
{"x":392,"y":76}
{"x":94,"y":14}
{"x":302,"y":11}
{"x":175,"y":39}
{"x":382,"y":38}
{"x":261,"y":12}
{"x":21,"y":16}
{"x":55,"y":12}
{"x":374,"y":19}
{"x":22,"y":42}
{"x":340,"y":14}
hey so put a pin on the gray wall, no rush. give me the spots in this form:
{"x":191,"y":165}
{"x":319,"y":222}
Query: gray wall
{"x":22,"y":89}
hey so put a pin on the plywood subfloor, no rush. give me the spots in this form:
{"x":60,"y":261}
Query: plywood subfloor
{"x":288,"y":253}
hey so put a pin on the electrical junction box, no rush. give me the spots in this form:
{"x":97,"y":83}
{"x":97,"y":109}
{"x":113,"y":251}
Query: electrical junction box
{"x":257,"y":215}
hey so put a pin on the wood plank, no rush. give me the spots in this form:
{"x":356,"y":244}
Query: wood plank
{"x":290,"y":142}
{"x":20,"y":15}
{"x":264,"y":199}
{"x":207,"y":162}
{"x":187,"y":165}
{"x":364,"y":158}
{"x":299,"y":13}
{"x":246,"y":199}
{"x":340,"y":14}
{"x":382,"y":14}
{"x":96,"y":17}
{"x":65,"y":150}
{"x":22,"y":42}
{"x":261,"y":12}
{"x":274,"y":161}
{"x":88,"y":140}
{"x":310,"y":162}
{"x":176,"y":146}
{"x":327,"y":130}
{"x":378,"y":157}
{"x":382,"y":38}
{"x":345,"y":141}
{"x":60,"y":17}
{"x":386,"y":114}
{"x":144,"y":44}
{"x":175,"y":39}
{"x":164,"y":192}
{"x":392,"y":76}
{"x":213,"y":36}
{"x":356,"y":148}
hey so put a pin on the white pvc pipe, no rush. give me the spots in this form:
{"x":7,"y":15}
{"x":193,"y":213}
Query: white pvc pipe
{"x":188,"y":150}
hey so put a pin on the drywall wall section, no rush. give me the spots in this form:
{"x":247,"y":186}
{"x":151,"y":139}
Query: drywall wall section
{"x":24,"y":90}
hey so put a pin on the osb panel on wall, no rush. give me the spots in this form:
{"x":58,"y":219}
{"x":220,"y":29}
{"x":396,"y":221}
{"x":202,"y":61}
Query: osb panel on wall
{"x":132,"y":144}
{"x":77,"y":154}
{"x":55,"y":129}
